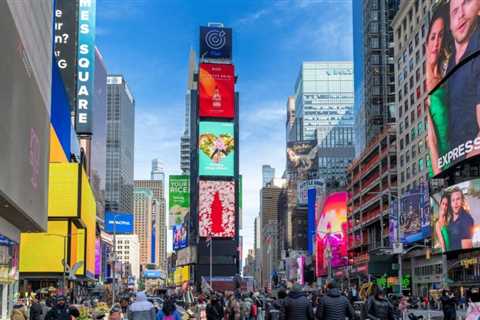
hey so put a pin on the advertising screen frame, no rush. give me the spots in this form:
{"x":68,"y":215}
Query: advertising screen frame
{"x":216,"y":90}
{"x":301,"y":156}
{"x":453,"y":229}
{"x":179,"y":241}
{"x":452,"y":83}
{"x":178,"y":198}
{"x":222,"y":195}
{"x":215,"y":43}
{"x":213,"y":160}
{"x":125,"y":226}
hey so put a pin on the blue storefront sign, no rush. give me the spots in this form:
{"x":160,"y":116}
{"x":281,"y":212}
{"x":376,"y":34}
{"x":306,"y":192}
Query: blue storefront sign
{"x":123,"y":222}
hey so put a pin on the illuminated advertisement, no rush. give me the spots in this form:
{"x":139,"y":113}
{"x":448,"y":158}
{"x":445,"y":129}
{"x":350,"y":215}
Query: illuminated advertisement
{"x":215,"y":43}
{"x":178,"y":199}
{"x":216,"y":214}
{"x":414,"y":220}
{"x":122,"y":221}
{"x":331,"y":239}
{"x":180,"y":236}
{"x":393,"y":223}
{"x":455,"y":216}
{"x":85,"y":66}
{"x":304,"y":187}
{"x":301,"y":158}
{"x":216,"y":148}
{"x":452,"y":73}
{"x":98,"y":257}
{"x":216,"y":90}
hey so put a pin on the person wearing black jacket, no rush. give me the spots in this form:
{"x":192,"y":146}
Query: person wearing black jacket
{"x":36,"y":310}
{"x":214,"y":309}
{"x":297,"y":306}
{"x":448,"y":306}
{"x":334,"y":306}
{"x":379,"y":308}
{"x":60,"y":311}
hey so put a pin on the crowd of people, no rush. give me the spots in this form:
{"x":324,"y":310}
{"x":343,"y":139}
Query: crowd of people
{"x":295,"y":303}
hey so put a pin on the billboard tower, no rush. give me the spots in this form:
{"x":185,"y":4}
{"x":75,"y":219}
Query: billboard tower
{"x":214,"y":179}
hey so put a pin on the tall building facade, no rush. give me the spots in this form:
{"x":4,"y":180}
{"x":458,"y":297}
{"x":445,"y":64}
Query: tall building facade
{"x":290,"y":129}
{"x":120,"y":145}
{"x":158,"y":246}
{"x":379,"y":74}
{"x":268,"y":173}
{"x":158,"y":171}
{"x":358,"y":74}
{"x":143,"y":204}
{"x":185,"y":139}
{"x":323,"y":98}
{"x":127,"y":250}
{"x":410,"y":29}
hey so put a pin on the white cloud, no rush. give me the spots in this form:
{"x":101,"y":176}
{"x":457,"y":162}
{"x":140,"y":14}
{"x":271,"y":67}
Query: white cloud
{"x":253,"y":17}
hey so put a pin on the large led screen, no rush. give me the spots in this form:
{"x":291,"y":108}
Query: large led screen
{"x":456,"y":217}
{"x":216,"y":149}
{"x":118,"y":222}
{"x":179,"y":199}
{"x":215,"y":43}
{"x":301,"y":158}
{"x":414,"y":219}
{"x":216,"y":90}
{"x":331,"y":237}
{"x":452,"y":73}
{"x":180,"y":237}
{"x":216,"y":214}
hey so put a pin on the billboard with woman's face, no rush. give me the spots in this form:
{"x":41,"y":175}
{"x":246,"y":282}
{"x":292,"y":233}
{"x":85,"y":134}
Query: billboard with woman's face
{"x":456,"y":217}
{"x":452,"y":74}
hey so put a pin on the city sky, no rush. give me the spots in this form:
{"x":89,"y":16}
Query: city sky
{"x":148,"y":41}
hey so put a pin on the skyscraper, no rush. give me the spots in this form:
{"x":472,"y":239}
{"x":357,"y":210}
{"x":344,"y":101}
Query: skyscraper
{"x":290,"y":123}
{"x":358,"y":106}
{"x":143,"y":204}
{"x":268,"y":173}
{"x":323,"y":98}
{"x":120,"y":145}
{"x":158,"y":171}
{"x":185,"y":139}
{"x":378,"y":70}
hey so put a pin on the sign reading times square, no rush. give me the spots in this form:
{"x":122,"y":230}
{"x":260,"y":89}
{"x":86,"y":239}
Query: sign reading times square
{"x":85,"y":66}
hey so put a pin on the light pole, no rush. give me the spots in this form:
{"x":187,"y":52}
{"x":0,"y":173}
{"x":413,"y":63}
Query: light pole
{"x":114,"y":257}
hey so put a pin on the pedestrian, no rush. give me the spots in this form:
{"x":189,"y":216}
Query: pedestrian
{"x":18,"y":312}
{"x":115,"y":313}
{"x":297,"y":306}
{"x":232,"y":309}
{"x":124,"y":303}
{"x":334,"y":305}
{"x":36,"y":309}
{"x":215,"y":309}
{"x":379,"y":308}
{"x":448,"y":306}
{"x":279,"y":304}
{"x":403,"y":307}
{"x":201,"y":308}
{"x":141,"y":309}
{"x":168,"y":311}
{"x":246,"y":308}
{"x":60,"y":311}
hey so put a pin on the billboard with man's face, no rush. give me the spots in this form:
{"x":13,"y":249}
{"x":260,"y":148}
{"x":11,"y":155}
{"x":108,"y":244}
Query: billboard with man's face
{"x":452,"y":74}
{"x":456,"y":217}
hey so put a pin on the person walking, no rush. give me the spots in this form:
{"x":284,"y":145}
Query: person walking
{"x":36,"y":309}
{"x":18,"y":312}
{"x":448,"y":306}
{"x":141,"y":309}
{"x":279,"y":304}
{"x":379,"y":308}
{"x":334,"y":305}
{"x":297,"y":306}
{"x":214,"y":309}
{"x":232,"y":309}
{"x":168,"y":311}
{"x":403,"y":307}
{"x":60,"y":311}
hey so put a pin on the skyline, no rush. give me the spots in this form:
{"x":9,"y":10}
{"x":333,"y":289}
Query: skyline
{"x":271,"y":40}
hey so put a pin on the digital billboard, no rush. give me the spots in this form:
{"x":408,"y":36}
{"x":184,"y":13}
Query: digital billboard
{"x":414,"y":219}
{"x":178,"y":199}
{"x":216,"y":214}
{"x":180,"y":236}
{"x":303,"y":187}
{"x":216,"y":148}
{"x":302,"y":158}
{"x":123,"y":222}
{"x":215,"y":43}
{"x":331,"y":237}
{"x":216,"y":90}
{"x":455,"y":217}
{"x":452,"y":73}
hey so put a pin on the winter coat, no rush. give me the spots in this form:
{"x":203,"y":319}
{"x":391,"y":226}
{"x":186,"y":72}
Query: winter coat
{"x":448,"y":307}
{"x":379,"y":309}
{"x":334,"y":306}
{"x":215,"y":311}
{"x":58,"y":313}
{"x":141,"y":309}
{"x":36,"y":311}
{"x":297,"y":307}
{"x":232,"y":309}
{"x":279,"y":305}
{"x":18,"y":314}
{"x":175,"y":315}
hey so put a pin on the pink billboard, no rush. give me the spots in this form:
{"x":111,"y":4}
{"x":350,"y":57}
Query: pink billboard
{"x":216,"y":214}
{"x":331,"y":233}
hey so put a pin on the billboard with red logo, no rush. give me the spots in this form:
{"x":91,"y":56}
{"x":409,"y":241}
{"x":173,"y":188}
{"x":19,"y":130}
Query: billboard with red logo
{"x":216,"y":90}
{"x":216,"y":214}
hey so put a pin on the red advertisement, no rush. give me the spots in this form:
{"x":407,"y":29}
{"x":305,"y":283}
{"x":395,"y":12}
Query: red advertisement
{"x":216,"y":90}
{"x":216,"y":215}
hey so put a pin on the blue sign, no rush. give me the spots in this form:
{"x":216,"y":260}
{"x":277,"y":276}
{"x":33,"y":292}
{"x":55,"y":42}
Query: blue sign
{"x":414,"y":218}
{"x":122,"y":221}
{"x":180,"y":237}
{"x":215,"y":43}
{"x":311,"y":199}
{"x":85,"y":66}
{"x":154,"y":274}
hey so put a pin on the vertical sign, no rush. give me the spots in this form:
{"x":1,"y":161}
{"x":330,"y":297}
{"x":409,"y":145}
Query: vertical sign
{"x":312,"y":196}
{"x":85,"y":66}
{"x":65,"y":45}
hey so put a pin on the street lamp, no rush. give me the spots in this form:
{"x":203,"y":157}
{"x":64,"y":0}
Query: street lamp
{"x":114,"y":257}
